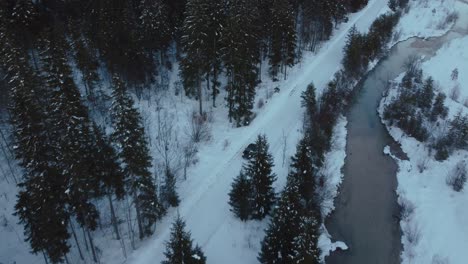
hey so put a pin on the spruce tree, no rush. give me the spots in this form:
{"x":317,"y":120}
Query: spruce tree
{"x":71,"y":130}
{"x":278,"y":244}
{"x":259,"y":172}
{"x":293,"y":232}
{"x":108,"y":170}
{"x":240,"y":57}
{"x":427,"y":95}
{"x":155,"y":24}
{"x":306,"y":242}
{"x":201,"y":43}
{"x":239,"y":197}
{"x":132,"y":146}
{"x":304,"y":174}
{"x":283,"y":37}
{"x":179,"y":248}
{"x":41,"y":200}
{"x":438,"y":108}
{"x":169,"y":193}
{"x":309,"y":102}
{"x":353,"y":62}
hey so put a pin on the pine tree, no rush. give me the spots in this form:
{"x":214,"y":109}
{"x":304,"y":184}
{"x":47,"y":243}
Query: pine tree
{"x":155,"y":24}
{"x":283,"y":37}
{"x":169,"y":193}
{"x":133,"y":150}
{"x":293,"y":233}
{"x":304,"y":174}
{"x":240,"y":57}
{"x":259,"y":172}
{"x":239,"y":197}
{"x":278,"y":244}
{"x":438,"y":108}
{"x":71,"y":130}
{"x":309,"y":101}
{"x":201,"y":44}
{"x":427,"y":95}
{"x":179,"y":248}
{"x":86,"y":60}
{"x":41,"y":200}
{"x":353,"y":62}
{"x":306,"y":242}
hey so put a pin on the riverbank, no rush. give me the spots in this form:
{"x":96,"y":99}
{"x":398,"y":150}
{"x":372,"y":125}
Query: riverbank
{"x":434,"y":216}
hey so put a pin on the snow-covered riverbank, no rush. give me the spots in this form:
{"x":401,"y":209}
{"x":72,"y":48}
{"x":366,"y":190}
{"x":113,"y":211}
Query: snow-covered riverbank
{"x":434,"y":216}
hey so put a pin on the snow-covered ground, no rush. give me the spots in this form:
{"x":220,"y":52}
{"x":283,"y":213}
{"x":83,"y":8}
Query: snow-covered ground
{"x":204,"y":194}
{"x":425,"y":18}
{"x":435,"y":216}
{"x":332,"y":169}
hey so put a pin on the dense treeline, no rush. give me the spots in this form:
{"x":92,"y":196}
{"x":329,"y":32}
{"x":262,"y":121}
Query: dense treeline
{"x":292,"y":236}
{"x":418,"y":108}
{"x":70,"y":163}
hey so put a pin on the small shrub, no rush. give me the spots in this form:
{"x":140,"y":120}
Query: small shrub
{"x":455,"y":93}
{"x":422,"y":164}
{"x":457,"y":177}
{"x":413,"y":234}
{"x":454,"y":74}
{"x":260,"y":103}
{"x":436,"y":259}
{"x":199,"y":129}
{"x":406,"y":208}
{"x":226,"y":144}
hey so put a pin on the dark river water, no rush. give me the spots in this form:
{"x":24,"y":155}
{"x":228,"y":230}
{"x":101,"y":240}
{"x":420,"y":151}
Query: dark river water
{"x":366,"y":214}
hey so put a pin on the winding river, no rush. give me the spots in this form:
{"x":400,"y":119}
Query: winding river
{"x":366,"y":215}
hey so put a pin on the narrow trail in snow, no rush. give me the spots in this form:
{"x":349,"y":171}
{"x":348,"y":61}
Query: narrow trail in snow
{"x":205,"y":208}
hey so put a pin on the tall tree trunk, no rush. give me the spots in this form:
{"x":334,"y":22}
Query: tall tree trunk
{"x":85,"y":240}
{"x":91,"y":244}
{"x":45,"y":257}
{"x":76,"y":240}
{"x":113,"y":218}
{"x":215,"y":80}
{"x":200,"y":99}
{"x":139,"y":220}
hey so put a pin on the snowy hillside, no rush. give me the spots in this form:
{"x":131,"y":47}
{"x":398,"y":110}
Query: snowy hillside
{"x":434,"y":211}
{"x":204,"y":204}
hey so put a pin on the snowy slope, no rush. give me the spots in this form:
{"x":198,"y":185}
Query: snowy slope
{"x":425,"y":18}
{"x":434,"y":225}
{"x":204,"y":205}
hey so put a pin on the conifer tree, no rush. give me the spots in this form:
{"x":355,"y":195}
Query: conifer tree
{"x":201,"y":44}
{"x":239,"y":197}
{"x":108,"y":170}
{"x":155,"y":25}
{"x":278,"y":244}
{"x":169,"y":193}
{"x":133,"y":150}
{"x":41,"y":199}
{"x":353,"y":62}
{"x":240,"y":57}
{"x":306,"y":242}
{"x":438,"y":108}
{"x":283,"y":37}
{"x":259,"y":172}
{"x":309,"y":101}
{"x":293,"y":233}
{"x":86,"y":61}
{"x":427,"y":94}
{"x":71,"y":130}
{"x":304,"y":174}
{"x":179,"y":248}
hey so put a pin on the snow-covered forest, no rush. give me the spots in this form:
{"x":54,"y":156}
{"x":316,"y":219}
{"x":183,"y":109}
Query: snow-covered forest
{"x":210,"y":131}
